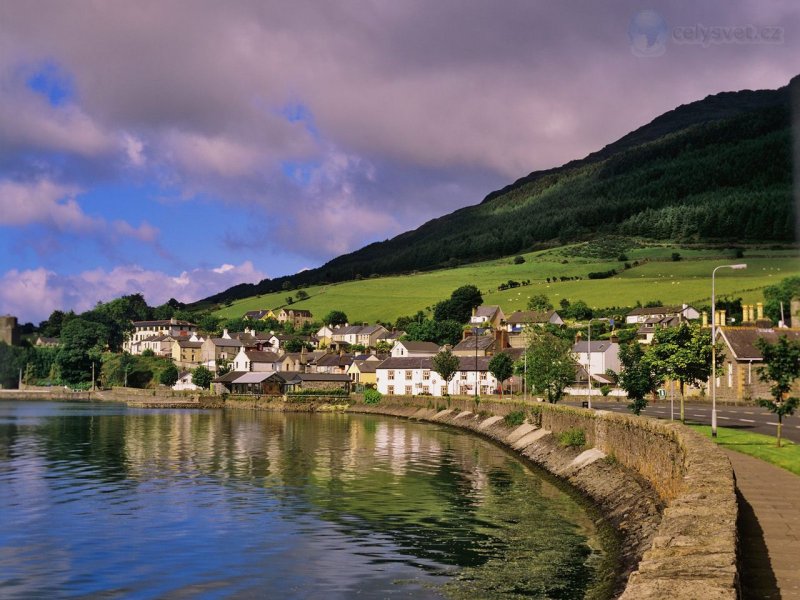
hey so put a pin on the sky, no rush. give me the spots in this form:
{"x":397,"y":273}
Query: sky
{"x":177,"y":148}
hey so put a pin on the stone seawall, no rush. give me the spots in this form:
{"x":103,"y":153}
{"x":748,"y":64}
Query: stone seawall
{"x":668,"y":491}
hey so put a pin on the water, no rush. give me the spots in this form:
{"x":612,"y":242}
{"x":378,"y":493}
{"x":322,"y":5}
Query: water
{"x":100,"y":500}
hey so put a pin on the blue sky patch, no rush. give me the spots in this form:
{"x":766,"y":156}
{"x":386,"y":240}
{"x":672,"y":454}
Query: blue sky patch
{"x":52,"y":82}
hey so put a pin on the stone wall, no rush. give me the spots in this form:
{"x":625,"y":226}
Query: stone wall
{"x":667,"y":490}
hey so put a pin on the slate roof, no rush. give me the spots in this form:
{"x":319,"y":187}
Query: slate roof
{"x":742,"y":340}
{"x":483,"y":342}
{"x":486,"y":310}
{"x":599,"y":346}
{"x":261,"y":357}
{"x":657,"y":310}
{"x":229,"y":377}
{"x":421,"y":347}
{"x":162,"y":323}
{"x":521,"y":317}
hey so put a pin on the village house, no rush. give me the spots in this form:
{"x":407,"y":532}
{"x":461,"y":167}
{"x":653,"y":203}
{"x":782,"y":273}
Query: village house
{"x":482,"y":345}
{"x":47,"y":342}
{"x":255,"y":361}
{"x":642,"y":314}
{"x":184,"y":382}
{"x":487,"y":315}
{"x":186,"y":354}
{"x":146,"y":329}
{"x":325,"y":336}
{"x":519,"y":320}
{"x":296,"y":316}
{"x":738,"y":378}
{"x":333,"y":363}
{"x":390,"y":337}
{"x":258,"y":315}
{"x":405,"y":349}
{"x":215,"y":350}
{"x":363,"y":372}
{"x":415,"y":376}
{"x":600,"y":356}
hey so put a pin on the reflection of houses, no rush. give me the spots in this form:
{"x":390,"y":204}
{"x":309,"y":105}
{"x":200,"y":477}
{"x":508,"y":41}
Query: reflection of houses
{"x":738,"y":377}
{"x":146,"y":329}
{"x":643,"y":313}
{"x":409,"y":376}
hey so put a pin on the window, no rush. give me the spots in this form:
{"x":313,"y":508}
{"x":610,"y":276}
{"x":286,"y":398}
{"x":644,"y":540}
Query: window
{"x":408,"y":374}
{"x":426,"y":375}
{"x":390,"y":375}
{"x":408,"y":391}
{"x":425,"y":389}
{"x":390,"y":390}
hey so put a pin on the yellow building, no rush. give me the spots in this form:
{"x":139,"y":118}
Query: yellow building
{"x":363,"y":372}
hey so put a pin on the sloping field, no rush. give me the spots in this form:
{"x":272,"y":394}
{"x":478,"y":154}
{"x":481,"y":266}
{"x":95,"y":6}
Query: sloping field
{"x":689,"y":280}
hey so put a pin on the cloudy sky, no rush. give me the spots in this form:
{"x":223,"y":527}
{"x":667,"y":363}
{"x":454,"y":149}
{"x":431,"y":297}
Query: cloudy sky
{"x":176,"y":148}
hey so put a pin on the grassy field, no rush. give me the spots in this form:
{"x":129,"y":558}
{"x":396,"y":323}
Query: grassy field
{"x":757,"y":445}
{"x":688,"y":280}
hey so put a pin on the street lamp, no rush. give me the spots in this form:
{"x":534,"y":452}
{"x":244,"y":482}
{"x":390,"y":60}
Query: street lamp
{"x":714,"y":345}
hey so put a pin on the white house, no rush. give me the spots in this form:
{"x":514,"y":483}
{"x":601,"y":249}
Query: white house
{"x":642,"y":314}
{"x":487,"y":315}
{"x":404,"y":349}
{"x":185,"y":382}
{"x":599,"y":356}
{"x":254,"y":360}
{"x":143,"y":330}
{"x":407,"y":376}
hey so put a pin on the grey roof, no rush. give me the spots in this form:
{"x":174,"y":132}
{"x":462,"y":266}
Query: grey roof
{"x":162,"y":323}
{"x":261,"y":357}
{"x":366,"y":366}
{"x":598,"y":346}
{"x":254,"y":377}
{"x":407,"y":362}
{"x":226,"y":343}
{"x":658,"y":310}
{"x":522,"y":317}
{"x":486,"y":310}
{"x":188,"y":344}
{"x":229,"y":377}
{"x":420,"y":346}
{"x":483,"y":342}
{"x":742,"y":340}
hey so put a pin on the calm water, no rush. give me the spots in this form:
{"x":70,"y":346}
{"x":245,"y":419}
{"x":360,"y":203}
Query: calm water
{"x":113,"y":502}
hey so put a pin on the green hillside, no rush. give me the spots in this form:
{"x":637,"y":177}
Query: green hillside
{"x":716,"y":170}
{"x":657,"y":277}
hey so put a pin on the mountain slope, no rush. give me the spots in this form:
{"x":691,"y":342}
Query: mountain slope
{"x":718,"y":169}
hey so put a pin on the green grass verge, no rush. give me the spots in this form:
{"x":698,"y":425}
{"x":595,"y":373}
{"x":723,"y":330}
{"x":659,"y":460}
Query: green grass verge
{"x":757,"y":445}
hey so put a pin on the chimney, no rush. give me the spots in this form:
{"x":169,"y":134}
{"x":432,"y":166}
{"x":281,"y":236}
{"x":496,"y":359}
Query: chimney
{"x":751,"y":313}
{"x":760,"y":309}
{"x":225,"y":334}
{"x":794,"y":313}
{"x":722,"y":320}
{"x":705,"y":319}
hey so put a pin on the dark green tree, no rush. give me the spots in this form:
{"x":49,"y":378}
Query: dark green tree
{"x":82,"y":344}
{"x":502,"y":367}
{"x":783,"y":291}
{"x":335,"y":317}
{"x":169,"y":376}
{"x":781,"y":368}
{"x":638,"y":376}
{"x":551,"y":366}
{"x":445,"y":363}
{"x":459,"y":306}
{"x":540,"y":303}
{"x":202,"y":377}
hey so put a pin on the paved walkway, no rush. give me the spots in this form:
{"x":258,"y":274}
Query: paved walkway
{"x":769,"y":526}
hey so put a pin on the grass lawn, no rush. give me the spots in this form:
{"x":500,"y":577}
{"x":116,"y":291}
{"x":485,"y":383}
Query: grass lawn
{"x":689,"y":280}
{"x":757,"y":445}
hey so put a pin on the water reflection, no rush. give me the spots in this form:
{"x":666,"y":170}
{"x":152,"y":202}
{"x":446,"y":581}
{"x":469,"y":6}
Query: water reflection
{"x":103,"y":499}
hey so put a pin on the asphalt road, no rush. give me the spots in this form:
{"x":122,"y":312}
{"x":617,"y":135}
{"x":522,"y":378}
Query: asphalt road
{"x":748,"y":418}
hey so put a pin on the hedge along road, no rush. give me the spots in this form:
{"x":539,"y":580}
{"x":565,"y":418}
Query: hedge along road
{"x":746,"y":417}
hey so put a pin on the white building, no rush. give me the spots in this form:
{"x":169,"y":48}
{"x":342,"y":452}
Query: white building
{"x":412,"y":376}
{"x":600,"y":356}
{"x":143,"y":330}
{"x":405,"y":349}
{"x":642,"y":314}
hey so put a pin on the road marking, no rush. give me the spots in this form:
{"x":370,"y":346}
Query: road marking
{"x":726,"y":418}
{"x":771,"y":423}
{"x":698,"y":415}
{"x":749,"y":413}
{"x":747,"y":420}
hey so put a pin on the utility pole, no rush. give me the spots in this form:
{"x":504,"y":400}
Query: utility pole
{"x":589,"y":363}
{"x":92,"y":375}
{"x":475,"y":335}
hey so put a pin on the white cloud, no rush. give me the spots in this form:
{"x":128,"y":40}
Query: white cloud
{"x":33,"y":294}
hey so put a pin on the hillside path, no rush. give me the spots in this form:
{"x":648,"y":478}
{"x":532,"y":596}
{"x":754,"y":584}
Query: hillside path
{"x":769,"y":528}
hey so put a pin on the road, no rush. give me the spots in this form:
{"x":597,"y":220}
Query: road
{"x":747,"y":418}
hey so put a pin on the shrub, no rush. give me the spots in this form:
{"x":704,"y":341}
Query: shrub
{"x":518,"y":260}
{"x":574,"y":437}
{"x":605,"y":390}
{"x":372,"y":396}
{"x":676,"y":256}
{"x":514,"y":419}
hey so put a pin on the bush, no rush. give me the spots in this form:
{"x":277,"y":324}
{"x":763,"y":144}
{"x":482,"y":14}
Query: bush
{"x":319,"y":392}
{"x":514,"y":419}
{"x":602,"y":274}
{"x":518,"y":260}
{"x":605,"y":390}
{"x":676,"y":256}
{"x":372,"y":396}
{"x":573,"y":437}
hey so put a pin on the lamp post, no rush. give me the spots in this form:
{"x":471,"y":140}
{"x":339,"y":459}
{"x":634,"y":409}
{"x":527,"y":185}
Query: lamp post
{"x":589,"y":364}
{"x":714,"y":344}
{"x":475,"y":335}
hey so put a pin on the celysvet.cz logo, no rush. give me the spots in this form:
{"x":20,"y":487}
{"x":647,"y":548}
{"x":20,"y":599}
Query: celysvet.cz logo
{"x":650,"y":35}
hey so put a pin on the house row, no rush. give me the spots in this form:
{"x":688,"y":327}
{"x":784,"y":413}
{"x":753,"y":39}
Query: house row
{"x":296,"y":316}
